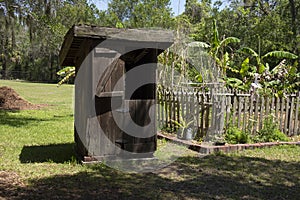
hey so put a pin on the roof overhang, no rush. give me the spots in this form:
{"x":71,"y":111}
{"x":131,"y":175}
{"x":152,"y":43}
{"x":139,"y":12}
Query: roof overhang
{"x":81,"y":35}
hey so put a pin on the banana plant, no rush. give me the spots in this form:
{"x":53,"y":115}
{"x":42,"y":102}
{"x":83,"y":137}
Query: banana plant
{"x":261,"y":65}
{"x":244,"y":78}
{"x":216,"y":46}
{"x":276,"y":81}
{"x":282,"y":78}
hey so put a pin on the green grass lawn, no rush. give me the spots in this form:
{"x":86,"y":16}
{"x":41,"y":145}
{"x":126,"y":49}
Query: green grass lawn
{"x":37,"y":161}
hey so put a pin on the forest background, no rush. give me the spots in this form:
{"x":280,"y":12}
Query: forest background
{"x":244,"y":36}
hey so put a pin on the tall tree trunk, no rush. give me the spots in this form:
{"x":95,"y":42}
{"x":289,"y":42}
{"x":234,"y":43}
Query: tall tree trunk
{"x":6,"y":48}
{"x":5,"y":57}
{"x":294,"y":26}
{"x":13,"y":36}
{"x":4,"y":67}
{"x":294,"y":17}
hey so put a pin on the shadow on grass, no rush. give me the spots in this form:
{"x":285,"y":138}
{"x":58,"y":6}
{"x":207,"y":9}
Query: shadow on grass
{"x":6,"y":118}
{"x":213,"y":177}
{"x":17,"y":120}
{"x":57,"y":153}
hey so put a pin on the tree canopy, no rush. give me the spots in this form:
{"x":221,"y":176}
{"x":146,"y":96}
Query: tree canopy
{"x":31,"y":32}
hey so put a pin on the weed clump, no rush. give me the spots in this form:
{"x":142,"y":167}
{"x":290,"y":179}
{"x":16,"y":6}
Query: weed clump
{"x":269,"y":133}
{"x":234,"y":135}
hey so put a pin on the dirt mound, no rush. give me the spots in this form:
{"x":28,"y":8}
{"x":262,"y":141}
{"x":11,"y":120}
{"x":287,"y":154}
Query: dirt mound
{"x":10,"y":100}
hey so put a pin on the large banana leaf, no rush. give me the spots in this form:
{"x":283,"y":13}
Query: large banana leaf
{"x":225,"y":42}
{"x":229,"y":40}
{"x":245,"y":67}
{"x":235,"y":83}
{"x":281,"y":55}
{"x":248,"y":51}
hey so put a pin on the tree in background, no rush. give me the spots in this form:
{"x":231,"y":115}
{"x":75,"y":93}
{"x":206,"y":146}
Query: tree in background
{"x":32,"y":32}
{"x":8,"y":17}
{"x":264,"y":26}
{"x":140,"y":13}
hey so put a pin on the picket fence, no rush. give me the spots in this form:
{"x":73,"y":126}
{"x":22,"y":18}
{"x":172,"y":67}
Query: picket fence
{"x":213,"y":108}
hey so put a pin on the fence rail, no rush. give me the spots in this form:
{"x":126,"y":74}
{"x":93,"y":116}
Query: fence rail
{"x":215,"y":108}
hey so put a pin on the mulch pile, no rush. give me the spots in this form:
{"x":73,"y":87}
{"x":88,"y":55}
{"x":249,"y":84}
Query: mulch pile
{"x":10,"y":100}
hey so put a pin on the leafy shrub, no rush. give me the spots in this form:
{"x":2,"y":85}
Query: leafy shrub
{"x":270,"y":132}
{"x":236,"y":136}
{"x":168,"y":129}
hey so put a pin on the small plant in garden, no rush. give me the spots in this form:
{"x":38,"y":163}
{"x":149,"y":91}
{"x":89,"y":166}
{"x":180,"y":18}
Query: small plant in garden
{"x":184,"y":127}
{"x":234,"y":135}
{"x":168,"y":129}
{"x":270,"y":132}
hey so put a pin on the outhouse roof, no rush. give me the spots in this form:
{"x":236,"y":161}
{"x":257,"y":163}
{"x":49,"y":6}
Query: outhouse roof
{"x":80,"y":35}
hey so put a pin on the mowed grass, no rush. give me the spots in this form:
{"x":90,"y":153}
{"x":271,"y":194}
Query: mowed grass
{"x":27,"y":132}
{"x":37,"y":161}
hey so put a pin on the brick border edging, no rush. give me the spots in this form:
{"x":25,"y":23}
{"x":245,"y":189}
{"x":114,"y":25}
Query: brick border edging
{"x":205,"y":149}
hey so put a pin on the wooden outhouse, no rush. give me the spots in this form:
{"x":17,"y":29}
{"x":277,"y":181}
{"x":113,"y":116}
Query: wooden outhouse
{"x":103,"y":57}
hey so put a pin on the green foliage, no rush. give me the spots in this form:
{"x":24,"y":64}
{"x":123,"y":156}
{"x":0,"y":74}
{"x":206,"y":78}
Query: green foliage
{"x":236,"y":83}
{"x":252,"y":25}
{"x":280,"y":80}
{"x":261,"y":65}
{"x":270,"y":132}
{"x":275,"y":80}
{"x":67,"y":73}
{"x":250,"y":52}
{"x":33,"y":33}
{"x":280,"y":55}
{"x":217,"y":46}
{"x":245,"y":68}
{"x":183,"y":125}
{"x":119,"y":25}
{"x":235,"y":135}
{"x":140,"y":13}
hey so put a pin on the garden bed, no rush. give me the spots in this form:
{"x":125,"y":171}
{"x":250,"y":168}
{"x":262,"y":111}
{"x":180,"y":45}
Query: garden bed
{"x":208,"y":149}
